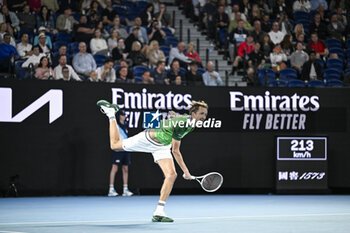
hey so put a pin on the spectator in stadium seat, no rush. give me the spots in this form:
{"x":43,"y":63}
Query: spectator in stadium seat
{"x":146,"y":77}
{"x":301,"y":5}
{"x":284,"y":24}
{"x":84,"y":62}
{"x":142,"y":36}
{"x":44,"y":70}
{"x":341,"y":16}
{"x":122,"y":32}
{"x":98,"y":45}
{"x":52,"y":5}
{"x":42,"y":30}
{"x":178,"y":53}
{"x":44,"y":48}
{"x":265,"y":23}
{"x":267,"y":46}
{"x":312,"y":70}
{"x":336,"y":4}
{"x":24,"y":48}
{"x":280,"y":8}
{"x":118,"y":52}
{"x":211,"y":77}
{"x":287,"y":45}
{"x":156,"y":33}
{"x":106,"y":73}
{"x":236,"y":24}
{"x":126,"y":64}
{"x":298,"y":29}
{"x":113,"y":39}
{"x":65,"y":22}
{"x":255,"y":13}
{"x":10,"y":18}
{"x":319,"y":46}
{"x":83,"y":31}
{"x":104,"y":32}
{"x":301,"y":38}
{"x":122,"y":75}
{"x":298,"y":58}
{"x":61,"y":51}
{"x":3,"y":31}
{"x":193,"y":55}
{"x":207,"y":18}
{"x":62,"y":60}
{"x":278,"y":58}
{"x":159,"y":75}
{"x":35,"y":5}
{"x":7,"y":52}
{"x":136,"y":56}
{"x":193,"y":77}
{"x":16,"y":5}
{"x":275,"y":34}
{"x":164,"y":18}
{"x":26,"y":19}
{"x":336,"y":28}
{"x":108,"y":13}
{"x":34,"y":58}
{"x":147,"y":16}
{"x":323,"y":13}
{"x":44,"y":19}
{"x":257,"y":33}
{"x":234,"y":11}
{"x":131,"y":39}
{"x":245,"y":7}
{"x":94,"y":13}
{"x":175,"y":71}
{"x":221,"y":22}
{"x":264,"y":7}
{"x":316,"y":3}
{"x":155,"y":54}
{"x":243,"y":51}
{"x":256,"y":58}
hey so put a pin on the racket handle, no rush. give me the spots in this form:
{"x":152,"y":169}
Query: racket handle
{"x":192,"y":177}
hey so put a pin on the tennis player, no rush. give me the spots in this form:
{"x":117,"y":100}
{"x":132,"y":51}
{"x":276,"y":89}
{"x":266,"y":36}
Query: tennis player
{"x":162,"y":143}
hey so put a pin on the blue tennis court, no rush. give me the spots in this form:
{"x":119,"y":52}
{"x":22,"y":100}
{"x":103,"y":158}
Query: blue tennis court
{"x":192,"y":213}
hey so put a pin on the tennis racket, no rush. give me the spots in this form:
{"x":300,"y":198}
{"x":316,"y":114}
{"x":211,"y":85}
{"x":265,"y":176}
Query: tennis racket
{"x":210,"y":182}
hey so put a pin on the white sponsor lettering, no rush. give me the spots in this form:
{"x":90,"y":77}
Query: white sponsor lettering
{"x":54,"y":97}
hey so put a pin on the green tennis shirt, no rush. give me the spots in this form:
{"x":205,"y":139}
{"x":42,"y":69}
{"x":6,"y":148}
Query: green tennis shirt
{"x":176,"y":128}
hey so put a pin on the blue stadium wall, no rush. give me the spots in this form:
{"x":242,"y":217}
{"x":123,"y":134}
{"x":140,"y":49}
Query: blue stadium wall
{"x":64,"y":150}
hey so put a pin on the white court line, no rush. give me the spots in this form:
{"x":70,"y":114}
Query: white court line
{"x":196,"y":218}
{"x":11,"y":232}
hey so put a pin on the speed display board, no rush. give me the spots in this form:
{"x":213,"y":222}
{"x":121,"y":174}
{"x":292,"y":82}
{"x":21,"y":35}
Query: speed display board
{"x":301,"y":163}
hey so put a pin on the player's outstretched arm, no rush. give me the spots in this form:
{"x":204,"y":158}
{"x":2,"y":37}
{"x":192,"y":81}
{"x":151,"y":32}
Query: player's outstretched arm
{"x":178,"y":157}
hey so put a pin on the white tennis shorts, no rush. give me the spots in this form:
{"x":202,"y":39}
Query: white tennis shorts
{"x":142,"y":142}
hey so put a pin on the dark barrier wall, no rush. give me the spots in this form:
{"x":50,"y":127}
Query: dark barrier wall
{"x":65,"y":150}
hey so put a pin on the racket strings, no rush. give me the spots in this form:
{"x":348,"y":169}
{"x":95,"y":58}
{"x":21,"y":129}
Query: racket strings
{"x":212,"y":182}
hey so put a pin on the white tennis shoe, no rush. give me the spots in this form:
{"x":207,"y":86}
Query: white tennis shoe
{"x":127,"y":193}
{"x":112,"y":193}
{"x":110,"y":112}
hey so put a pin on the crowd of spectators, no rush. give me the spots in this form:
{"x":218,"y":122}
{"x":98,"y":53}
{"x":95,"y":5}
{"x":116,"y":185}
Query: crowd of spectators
{"x":127,"y":41}
{"x":285,"y":32}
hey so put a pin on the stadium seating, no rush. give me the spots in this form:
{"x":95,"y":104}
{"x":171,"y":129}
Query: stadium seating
{"x":165,"y":49}
{"x":138,"y":70}
{"x":335,"y":64}
{"x":332,"y":74}
{"x":201,"y":70}
{"x":20,"y":72}
{"x":296,"y":83}
{"x":288,"y":74}
{"x":99,"y":59}
{"x":278,"y":83}
{"x":333,"y":43}
{"x":338,"y":51}
{"x":316,"y":83}
{"x":171,"y":41}
{"x":334,"y":83}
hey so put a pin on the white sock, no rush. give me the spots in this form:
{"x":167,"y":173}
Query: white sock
{"x":125,"y":187}
{"x":160,"y":207}
{"x":111,"y":187}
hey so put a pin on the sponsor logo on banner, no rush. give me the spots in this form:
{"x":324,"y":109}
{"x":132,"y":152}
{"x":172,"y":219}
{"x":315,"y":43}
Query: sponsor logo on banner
{"x":135,"y":102}
{"x":273,"y":112}
{"x":54,"y":97}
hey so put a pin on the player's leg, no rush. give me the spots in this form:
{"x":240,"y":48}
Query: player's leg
{"x":126,"y":191}
{"x":168,"y":168}
{"x":113,"y":172}
{"x":110,"y":111}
